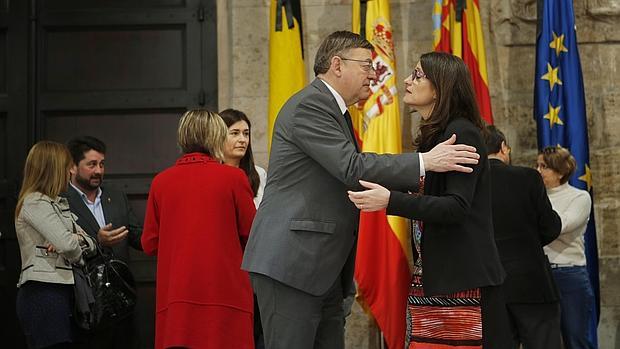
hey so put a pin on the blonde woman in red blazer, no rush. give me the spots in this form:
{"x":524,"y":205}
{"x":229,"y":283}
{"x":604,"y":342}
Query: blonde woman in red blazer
{"x":198,"y":220}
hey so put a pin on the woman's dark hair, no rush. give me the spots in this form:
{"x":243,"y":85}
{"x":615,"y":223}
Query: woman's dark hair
{"x":231,"y":116}
{"x":455,"y":97}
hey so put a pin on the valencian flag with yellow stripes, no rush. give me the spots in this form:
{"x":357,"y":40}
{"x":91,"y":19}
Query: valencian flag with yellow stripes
{"x":286,"y":65}
{"x":383,"y":258}
{"x":457,"y":29}
{"x":560,"y":111}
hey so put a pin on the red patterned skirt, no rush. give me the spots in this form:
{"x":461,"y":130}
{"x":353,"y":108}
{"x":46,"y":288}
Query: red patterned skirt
{"x":443,"y":322}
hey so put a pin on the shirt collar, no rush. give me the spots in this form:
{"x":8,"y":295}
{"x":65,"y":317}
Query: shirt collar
{"x":341,"y":104}
{"x":84,"y":197}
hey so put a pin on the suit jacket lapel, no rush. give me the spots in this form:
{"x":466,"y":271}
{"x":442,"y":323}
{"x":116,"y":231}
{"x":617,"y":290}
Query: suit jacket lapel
{"x":339,"y":116}
{"x":86,"y":220}
{"x":106,"y":205}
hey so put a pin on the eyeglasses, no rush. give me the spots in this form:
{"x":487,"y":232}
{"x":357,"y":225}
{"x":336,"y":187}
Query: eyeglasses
{"x":366,"y":67}
{"x":541,"y":165}
{"x":418,"y":74}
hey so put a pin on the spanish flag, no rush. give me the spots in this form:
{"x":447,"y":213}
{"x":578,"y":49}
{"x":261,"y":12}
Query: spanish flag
{"x":286,"y":65}
{"x":457,"y":29}
{"x":382,"y":268}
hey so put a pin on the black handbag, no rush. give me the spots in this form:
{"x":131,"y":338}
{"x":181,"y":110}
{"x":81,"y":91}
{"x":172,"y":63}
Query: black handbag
{"x":105,"y":292}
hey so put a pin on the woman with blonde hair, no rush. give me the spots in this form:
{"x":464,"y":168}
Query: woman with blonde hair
{"x":198,"y":220}
{"x":49,"y":242}
{"x":567,"y":253}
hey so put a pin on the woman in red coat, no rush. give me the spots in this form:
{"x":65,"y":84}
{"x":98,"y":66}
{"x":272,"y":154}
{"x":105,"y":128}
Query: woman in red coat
{"x":198,"y":219}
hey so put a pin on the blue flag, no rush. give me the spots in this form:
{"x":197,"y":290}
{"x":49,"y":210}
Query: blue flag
{"x":560,"y":110}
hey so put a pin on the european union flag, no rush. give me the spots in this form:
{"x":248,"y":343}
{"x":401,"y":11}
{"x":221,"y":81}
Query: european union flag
{"x":560,"y":109}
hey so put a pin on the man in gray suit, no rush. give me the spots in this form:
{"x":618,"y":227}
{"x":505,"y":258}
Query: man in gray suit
{"x":301,"y":250}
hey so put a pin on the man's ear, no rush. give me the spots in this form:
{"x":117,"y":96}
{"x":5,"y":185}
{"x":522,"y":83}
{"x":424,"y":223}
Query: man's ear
{"x":73,"y":170}
{"x":335,"y":65}
{"x":504,"y":148}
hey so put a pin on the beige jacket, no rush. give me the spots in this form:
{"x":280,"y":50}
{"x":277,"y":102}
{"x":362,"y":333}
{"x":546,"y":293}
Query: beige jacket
{"x":43,"y":221}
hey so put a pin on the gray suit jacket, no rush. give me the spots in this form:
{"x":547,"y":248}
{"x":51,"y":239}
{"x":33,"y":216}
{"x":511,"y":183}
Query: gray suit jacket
{"x":304,"y":234}
{"x":116,"y":210}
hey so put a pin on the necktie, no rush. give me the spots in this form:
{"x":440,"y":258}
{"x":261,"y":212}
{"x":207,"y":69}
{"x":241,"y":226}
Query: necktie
{"x":347,"y":117}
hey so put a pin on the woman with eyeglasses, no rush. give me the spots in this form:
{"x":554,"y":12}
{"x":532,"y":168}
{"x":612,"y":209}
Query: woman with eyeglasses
{"x":455,"y":299}
{"x":567,"y":253}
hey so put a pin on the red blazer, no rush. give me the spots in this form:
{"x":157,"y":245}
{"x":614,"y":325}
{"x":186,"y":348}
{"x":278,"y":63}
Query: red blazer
{"x":198,"y":219}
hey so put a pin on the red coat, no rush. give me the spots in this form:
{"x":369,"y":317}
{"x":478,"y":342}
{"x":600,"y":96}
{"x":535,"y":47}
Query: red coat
{"x":198,"y":219}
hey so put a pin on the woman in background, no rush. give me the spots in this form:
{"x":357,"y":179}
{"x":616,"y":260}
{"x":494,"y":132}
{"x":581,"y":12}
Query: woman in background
{"x":238,"y":153}
{"x":238,"y":150}
{"x":567,"y":253}
{"x":198,"y":220}
{"x":49,"y":243}
{"x":455,"y":298}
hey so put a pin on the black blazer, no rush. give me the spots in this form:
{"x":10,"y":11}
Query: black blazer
{"x":458,"y":250}
{"x":524,"y":222}
{"x":116,"y":210}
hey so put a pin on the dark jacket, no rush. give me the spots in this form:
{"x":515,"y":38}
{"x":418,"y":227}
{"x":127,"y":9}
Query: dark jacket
{"x":116,"y":210}
{"x":458,"y":250}
{"x":524,"y":222}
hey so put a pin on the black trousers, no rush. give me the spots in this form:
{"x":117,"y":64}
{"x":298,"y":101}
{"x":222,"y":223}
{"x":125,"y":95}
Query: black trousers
{"x":120,"y":336}
{"x":535,"y":325}
{"x":292,"y":318}
{"x":495,"y":321}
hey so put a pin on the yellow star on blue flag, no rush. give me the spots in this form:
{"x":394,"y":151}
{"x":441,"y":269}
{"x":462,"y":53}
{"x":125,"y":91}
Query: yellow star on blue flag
{"x":553,"y":116}
{"x":587,"y":177}
{"x":552,"y":76}
{"x":558,"y":44}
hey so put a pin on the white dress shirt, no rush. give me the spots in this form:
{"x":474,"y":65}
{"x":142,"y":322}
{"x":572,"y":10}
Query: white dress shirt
{"x":95,"y":207}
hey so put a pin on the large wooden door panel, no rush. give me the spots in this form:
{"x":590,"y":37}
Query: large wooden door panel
{"x":14,"y":141}
{"x":123,"y":71}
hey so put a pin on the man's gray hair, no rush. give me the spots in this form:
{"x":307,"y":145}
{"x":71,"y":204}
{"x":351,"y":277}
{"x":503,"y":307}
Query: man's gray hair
{"x":336,"y":44}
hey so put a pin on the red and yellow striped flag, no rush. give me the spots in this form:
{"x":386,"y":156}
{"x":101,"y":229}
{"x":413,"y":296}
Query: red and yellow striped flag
{"x":457,"y":29}
{"x":382,"y":268}
{"x":287,"y":73}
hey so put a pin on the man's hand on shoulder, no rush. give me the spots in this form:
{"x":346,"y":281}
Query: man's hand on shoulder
{"x":447,"y":156}
{"x":110,"y":237}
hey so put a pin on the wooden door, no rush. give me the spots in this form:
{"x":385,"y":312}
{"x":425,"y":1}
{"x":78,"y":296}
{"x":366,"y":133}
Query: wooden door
{"x":122,"y":71}
{"x":15,"y":140}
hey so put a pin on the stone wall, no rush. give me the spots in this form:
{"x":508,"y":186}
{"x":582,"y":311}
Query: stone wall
{"x":509,"y":30}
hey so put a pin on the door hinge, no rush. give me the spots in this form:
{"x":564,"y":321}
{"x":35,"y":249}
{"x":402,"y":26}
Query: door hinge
{"x":201,"y":13}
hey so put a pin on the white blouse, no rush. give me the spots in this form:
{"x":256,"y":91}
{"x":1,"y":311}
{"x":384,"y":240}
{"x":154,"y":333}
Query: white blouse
{"x":573,"y":205}
{"x":262,"y":174}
